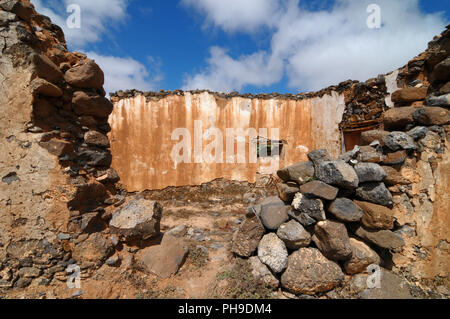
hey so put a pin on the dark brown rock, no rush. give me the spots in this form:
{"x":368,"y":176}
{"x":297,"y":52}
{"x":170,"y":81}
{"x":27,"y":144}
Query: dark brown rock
{"x":396,"y":158}
{"x":309,"y":272}
{"x":381,"y":238}
{"x":287,"y":191}
{"x":93,"y":251}
{"x":394,"y":177}
{"x":332,"y":240}
{"x":43,"y":109}
{"x":163,"y":260}
{"x":432,"y":116}
{"x":43,"y":87}
{"x":108,"y":176}
{"x":24,"y":10}
{"x":88,"y":75}
{"x":362,"y":257}
{"x":58,"y":147}
{"x":445,"y":89}
{"x":399,"y":117}
{"x":376,"y":216}
{"x":247,"y":238}
{"x":409,"y":95}
{"x":96,"y":138}
{"x":441,"y":71}
{"x":368,"y":154}
{"x":368,"y":137}
{"x":300,"y":173}
{"x":87,"y":103}
{"x":45,"y":68}
{"x":319,"y":189}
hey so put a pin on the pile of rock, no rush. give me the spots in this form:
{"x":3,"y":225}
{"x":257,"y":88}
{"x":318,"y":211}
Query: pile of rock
{"x":302,"y":235}
{"x":337,"y":217}
{"x":331,"y":215}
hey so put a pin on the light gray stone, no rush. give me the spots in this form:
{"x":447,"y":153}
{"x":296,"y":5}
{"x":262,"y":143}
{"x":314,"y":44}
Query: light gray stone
{"x":272,"y":252}
{"x":398,"y":141}
{"x":138,"y":219}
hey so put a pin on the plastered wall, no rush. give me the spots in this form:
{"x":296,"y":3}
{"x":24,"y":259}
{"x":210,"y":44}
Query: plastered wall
{"x":142,"y":141}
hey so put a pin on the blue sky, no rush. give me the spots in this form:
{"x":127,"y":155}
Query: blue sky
{"x":246,"y":45}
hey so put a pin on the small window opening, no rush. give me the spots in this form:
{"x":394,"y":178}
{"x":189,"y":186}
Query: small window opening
{"x":269,"y":148}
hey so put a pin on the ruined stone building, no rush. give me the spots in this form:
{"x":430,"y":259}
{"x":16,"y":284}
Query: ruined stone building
{"x":74,"y":163}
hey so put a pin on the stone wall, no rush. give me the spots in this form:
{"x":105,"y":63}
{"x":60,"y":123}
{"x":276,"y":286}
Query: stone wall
{"x":142,"y":129}
{"x":54,"y":153}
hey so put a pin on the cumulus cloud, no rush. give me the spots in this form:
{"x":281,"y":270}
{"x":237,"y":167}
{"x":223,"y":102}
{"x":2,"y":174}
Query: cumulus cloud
{"x":227,"y":74}
{"x":126,"y":73}
{"x":97,"y":16}
{"x":237,"y":15}
{"x":317,"y":48}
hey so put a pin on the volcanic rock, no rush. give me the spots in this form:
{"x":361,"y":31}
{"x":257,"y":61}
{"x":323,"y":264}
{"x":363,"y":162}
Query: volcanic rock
{"x":138,"y":219}
{"x":376,"y":216}
{"x":362,"y":257}
{"x":88,"y":75}
{"x":272,"y":252}
{"x":294,"y":235}
{"x":300,"y":173}
{"x":246,"y":239}
{"x":345,"y":210}
{"x":369,"y":172}
{"x":309,"y":272}
{"x":332,"y":240}
{"x":376,"y":193}
{"x":337,"y":173}
{"x":319,"y":189}
{"x":163,"y":260}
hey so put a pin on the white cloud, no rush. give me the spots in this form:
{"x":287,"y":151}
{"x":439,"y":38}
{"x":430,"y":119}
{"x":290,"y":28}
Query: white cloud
{"x":237,"y":15}
{"x":227,"y":74}
{"x":97,"y":16}
{"x":315,"y":49}
{"x":125,"y":73}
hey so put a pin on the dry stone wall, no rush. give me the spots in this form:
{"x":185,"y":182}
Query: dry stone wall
{"x":54,"y":155}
